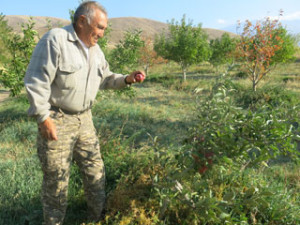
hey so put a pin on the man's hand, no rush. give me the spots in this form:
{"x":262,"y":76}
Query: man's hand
{"x":134,"y":77}
{"x":48,"y":129}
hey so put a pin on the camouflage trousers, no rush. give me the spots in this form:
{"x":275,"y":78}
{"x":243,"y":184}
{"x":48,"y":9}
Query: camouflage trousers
{"x":77,"y":141}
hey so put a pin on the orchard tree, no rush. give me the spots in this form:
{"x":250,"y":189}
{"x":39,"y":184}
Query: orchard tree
{"x":288,"y":47}
{"x":103,"y":42}
{"x":5,"y":35}
{"x":222,"y":50}
{"x":262,"y":46}
{"x":185,"y":44}
{"x":148,"y":56}
{"x":126,"y":55}
{"x":20,"y":48}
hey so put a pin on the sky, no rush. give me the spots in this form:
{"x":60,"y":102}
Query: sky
{"x":217,"y":14}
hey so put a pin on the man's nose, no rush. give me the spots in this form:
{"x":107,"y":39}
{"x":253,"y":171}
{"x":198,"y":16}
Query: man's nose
{"x":101,"y":34}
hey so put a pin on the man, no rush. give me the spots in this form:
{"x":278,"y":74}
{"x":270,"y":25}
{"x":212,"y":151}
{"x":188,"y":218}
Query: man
{"x":63,"y":77}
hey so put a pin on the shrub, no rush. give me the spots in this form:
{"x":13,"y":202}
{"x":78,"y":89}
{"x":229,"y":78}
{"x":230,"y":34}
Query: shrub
{"x":21,"y":49}
{"x":269,"y":95}
{"x":218,"y":177}
{"x":249,"y":135}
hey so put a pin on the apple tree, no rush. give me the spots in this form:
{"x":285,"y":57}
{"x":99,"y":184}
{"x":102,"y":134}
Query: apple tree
{"x":184,"y":44}
{"x":126,"y":55}
{"x":148,"y":56}
{"x":262,"y":46}
{"x":5,"y":35}
{"x":20,"y":49}
{"x":222,"y":50}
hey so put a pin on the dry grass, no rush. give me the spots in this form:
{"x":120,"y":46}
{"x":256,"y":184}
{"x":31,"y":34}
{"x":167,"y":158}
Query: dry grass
{"x":294,"y":84}
{"x":3,"y":95}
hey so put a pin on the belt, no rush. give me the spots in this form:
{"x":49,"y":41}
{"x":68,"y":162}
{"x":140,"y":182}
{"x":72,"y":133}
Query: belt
{"x":58,"y":109}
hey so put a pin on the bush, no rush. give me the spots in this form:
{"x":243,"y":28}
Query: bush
{"x":219,"y":177}
{"x":241,"y":74}
{"x":21,"y":49}
{"x":269,"y":95}
{"x":246,"y":135}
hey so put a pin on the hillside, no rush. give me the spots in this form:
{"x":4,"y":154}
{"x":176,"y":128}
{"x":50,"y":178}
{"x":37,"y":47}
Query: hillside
{"x":118,"y":26}
{"x":41,"y":22}
{"x":150,"y":28}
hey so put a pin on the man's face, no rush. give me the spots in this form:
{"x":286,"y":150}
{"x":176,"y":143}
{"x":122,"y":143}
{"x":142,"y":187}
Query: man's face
{"x":95,"y":30}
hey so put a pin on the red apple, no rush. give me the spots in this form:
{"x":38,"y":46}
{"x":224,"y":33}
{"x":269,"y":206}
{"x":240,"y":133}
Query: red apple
{"x":203,"y":169}
{"x":209,"y":157}
{"x":196,"y":158}
{"x":139,"y":77}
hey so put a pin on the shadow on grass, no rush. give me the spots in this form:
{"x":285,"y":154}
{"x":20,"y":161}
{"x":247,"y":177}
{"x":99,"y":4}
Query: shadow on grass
{"x":23,"y":213}
{"x":167,"y":116}
{"x":14,"y":109}
{"x":12,"y":114}
{"x":19,"y":187}
{"x":30,"y":212}
{"x":142,"y":127}
{"x":178,"y":77}
{"x":21,"y":204}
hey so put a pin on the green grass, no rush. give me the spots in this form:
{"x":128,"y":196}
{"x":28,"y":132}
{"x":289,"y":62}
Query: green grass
{"x":154,"y":112}
{"x":141,"y":138}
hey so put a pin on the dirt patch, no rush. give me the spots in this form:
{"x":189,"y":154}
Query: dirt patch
{"x":3,"y":95}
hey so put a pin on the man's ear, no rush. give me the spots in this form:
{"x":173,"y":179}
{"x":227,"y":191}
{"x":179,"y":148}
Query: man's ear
{"x":82,"y":20}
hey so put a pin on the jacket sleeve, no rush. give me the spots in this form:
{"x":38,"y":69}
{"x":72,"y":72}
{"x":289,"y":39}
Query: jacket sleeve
{"x":111,"y":80}
{"x":39,"y":76}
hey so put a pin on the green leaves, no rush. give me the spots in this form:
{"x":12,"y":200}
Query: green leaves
{"x":222,"y":50}
{"x":186,"y":44}
{"x":125,"y":57}
{"x":245,"y":136}
{"x":20,"y":49}
{"x":262,"y":46}
{"x":5,"y":34}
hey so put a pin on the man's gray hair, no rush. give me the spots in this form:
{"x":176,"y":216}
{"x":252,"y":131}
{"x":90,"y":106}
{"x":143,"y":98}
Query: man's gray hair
{"x":87,"y":8}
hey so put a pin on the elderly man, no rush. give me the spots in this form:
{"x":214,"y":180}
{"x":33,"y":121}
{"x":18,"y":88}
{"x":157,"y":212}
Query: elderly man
{"x":63,"y":77}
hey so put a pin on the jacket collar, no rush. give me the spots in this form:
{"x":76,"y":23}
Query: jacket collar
{"x":72,"y":36}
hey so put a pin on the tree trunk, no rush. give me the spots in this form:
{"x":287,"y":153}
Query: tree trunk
{"x":146,"y":70}
{"x":184,"y":74}
{"x":253,"y":79}
{"x":254,"y":85}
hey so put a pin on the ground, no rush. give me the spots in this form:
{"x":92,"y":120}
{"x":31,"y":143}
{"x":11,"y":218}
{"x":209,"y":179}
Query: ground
{"x":3,"y":95}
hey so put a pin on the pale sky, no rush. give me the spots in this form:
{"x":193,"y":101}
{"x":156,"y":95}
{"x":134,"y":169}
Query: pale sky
{"x":218,"y":14}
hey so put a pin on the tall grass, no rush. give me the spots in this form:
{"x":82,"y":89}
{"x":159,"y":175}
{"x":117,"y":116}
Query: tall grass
{"x":125,"y":126}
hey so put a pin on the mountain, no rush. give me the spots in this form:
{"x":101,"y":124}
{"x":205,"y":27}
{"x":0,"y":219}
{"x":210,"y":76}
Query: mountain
{"x":150,"y":28}
{"x":118,"y":26}
{"x":41,"y":22}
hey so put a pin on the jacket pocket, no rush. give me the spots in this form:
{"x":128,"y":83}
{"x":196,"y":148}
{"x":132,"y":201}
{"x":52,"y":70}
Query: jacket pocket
{"x":67,"y":76}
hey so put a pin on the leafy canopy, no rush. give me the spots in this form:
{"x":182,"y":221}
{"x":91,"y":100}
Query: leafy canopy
{"x":20,"y":48}
{"x":185,"y":44}
{"x":5,"y":35}
{"x":262,"y":46}
{"x":222,"y":50}
{"x":125,"y":57}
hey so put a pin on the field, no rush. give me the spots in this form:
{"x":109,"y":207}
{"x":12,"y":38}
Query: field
{"x":147,"y":137}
